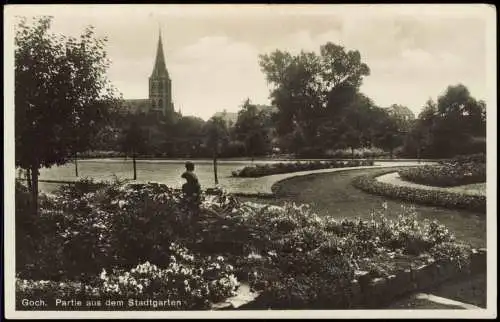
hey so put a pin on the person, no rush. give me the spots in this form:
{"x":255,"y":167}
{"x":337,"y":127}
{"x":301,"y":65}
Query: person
{"x":192,"y":186}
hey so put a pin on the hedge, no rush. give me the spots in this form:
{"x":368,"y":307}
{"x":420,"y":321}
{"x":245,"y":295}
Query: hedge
{"x":278,"y":168}
{"x":452,"y":200}
{"x":458,"y":171}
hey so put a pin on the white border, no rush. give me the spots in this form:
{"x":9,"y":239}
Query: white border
{"x":486,"y":11}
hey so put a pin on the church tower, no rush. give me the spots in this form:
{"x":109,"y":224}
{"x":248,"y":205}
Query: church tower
{"x":160,"y":85}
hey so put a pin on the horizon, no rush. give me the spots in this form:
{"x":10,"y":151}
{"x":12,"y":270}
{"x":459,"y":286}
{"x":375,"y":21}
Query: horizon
{"x":212,"y":55}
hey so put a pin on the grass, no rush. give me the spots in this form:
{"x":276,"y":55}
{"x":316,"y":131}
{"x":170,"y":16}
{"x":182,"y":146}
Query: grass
{"x":332,"y":194}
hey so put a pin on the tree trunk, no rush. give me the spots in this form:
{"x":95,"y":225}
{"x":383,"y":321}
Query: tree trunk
{"x":76,"y":164}
{"x":418,"y":153}
{"x":28,"y":178}
{"x":34,"y":188}
{"x":135,"y":168}
{"x":215,"y":169}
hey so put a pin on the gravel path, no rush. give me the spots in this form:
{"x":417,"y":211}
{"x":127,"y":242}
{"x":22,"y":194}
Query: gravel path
{"x":167,"y":173}
{"x":469,"y":189}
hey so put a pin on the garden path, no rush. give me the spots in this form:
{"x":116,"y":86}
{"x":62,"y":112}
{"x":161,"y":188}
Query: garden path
{"x":263,"y":186}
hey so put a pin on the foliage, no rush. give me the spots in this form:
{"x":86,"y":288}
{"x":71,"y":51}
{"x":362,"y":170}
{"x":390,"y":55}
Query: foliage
{"x":451,"y":126}
{"x":456,"y":172}
{"x":192,"y":282}
{"x":452,"y":200}
{"x":254,"y":129}
{"x":361,"y":153}
{"x":277,"y":168}
{"x":147,"y":235}
{"x":61,"y":94}
{"x":309,"y":88}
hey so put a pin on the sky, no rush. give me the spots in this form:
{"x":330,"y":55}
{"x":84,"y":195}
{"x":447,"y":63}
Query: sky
{"x":212,"y":51}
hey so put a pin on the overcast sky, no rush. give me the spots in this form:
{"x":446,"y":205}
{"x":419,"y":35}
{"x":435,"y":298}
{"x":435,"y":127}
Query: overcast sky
{"x":414,"y":52}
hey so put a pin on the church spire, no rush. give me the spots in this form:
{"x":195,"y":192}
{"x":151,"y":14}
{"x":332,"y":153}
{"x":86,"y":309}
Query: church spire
{"x":160,"y":68}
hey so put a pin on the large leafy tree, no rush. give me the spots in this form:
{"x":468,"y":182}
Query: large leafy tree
{"x":459,"y":119}
{"x":61,"y":92}
{"x":252,"y":127}
{"x":311,"y":89}
{"x":449,"y":126}
{"x":185,"y":137}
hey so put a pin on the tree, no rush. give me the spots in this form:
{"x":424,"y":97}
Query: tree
{"x":134,"y":142}
{"x":187,"y":136}
{"x":60,"y":91}
{"x":217,"y":137}
{"x":252,"y":128}
{"x":311,"y":89}
{"x":452,"y":125}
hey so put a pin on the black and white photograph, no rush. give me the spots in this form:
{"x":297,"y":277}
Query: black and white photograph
{"x":236,"y":160}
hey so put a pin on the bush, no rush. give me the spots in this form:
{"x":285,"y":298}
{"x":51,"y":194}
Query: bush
{"x":278,"y":168}
{"x":316,"y":257}
{"x":191,"y":282}
{"x":360,"y":153}
{"x":458,"y":171}
{"x":146,"y":241}
{"x":452,"y":200}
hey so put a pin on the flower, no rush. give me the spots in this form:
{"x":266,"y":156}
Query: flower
{"x":103,"y":275}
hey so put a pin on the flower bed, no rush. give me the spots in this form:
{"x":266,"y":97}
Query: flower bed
{"x":277,"y":168}
{"x":145,"y":242}
{"x":360,"y":153}
{"x":459,"y":171}
{"x":452,"y":200}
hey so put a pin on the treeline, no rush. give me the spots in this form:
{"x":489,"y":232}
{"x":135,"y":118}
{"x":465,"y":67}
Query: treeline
{"x":317,"y":110}
{"x":159,"y":135}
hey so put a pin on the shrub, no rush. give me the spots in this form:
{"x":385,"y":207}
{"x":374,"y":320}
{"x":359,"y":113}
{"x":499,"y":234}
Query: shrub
{"x":357,"y":153}
{"x":146,"y":241}
{"x":458,"y":171}
{"x":452,"y":200}
{"x":192,"y":282}
{"x":278,"y":168}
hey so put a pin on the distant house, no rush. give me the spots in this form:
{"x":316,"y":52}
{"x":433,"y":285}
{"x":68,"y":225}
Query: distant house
{"x":229,"y":117}
{"x":232,"y":117}
{"x":401,"y":112}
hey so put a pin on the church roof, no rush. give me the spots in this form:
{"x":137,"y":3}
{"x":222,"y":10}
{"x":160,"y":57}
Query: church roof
{"x":160,"y":68}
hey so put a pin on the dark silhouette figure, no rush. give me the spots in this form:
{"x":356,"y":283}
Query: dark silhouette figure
{"x":192,"y":188}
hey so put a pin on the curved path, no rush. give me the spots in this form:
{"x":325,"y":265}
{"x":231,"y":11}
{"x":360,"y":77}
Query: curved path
{"x":393,"y":178}
{"x":263,"y":186}
{"x":332,"y":194}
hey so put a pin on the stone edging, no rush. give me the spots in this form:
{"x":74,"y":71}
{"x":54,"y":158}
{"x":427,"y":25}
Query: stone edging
{"x":451,"y":200}
{"x":378,"y":292}
{"x":372,"y":293}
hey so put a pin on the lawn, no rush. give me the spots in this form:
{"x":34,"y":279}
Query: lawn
{"x":332,"y":194}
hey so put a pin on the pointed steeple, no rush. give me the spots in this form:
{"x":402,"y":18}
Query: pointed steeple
{"x":160,"y":68}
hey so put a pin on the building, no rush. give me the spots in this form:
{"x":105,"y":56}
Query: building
{"x":160,"y":90}
{"x":401,"y":112}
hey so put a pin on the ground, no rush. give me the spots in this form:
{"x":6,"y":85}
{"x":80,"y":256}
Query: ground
{"x":332,"y":194}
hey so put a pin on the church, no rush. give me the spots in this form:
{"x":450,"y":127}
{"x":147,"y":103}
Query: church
{"x":160,"y":90}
